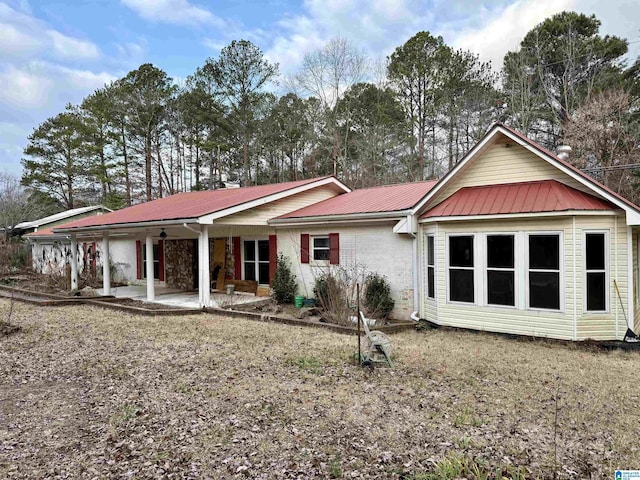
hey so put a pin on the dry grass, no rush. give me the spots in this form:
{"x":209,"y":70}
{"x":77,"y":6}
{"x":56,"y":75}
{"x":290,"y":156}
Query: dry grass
{"x":90,"y":393}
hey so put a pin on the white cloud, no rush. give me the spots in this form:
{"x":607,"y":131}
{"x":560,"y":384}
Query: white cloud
{"x":14,"y":42}
{"x":24,"y":88}
{"x":179,"y":12}
{"x":41,"y":85}
{"x":502,"y":29}
{"x":22,"y":34}
{"x":72,"y":48}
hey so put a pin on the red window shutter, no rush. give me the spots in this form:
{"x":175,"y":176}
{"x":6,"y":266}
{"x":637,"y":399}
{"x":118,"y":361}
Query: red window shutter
{"x":138,"y":259}
{"x":93,"y":257}
{"x":237,"y":258}
{"x":273,"y":256}
{"x":334,"y":249}
{"x":161,"y":260}
{"x":304,"y":248}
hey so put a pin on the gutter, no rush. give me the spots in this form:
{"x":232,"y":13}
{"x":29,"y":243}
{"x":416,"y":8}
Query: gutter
{"x":396,"y":214}
{"x":126,"y":225}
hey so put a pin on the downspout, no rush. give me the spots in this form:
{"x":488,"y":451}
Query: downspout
{"x":412,"y":224}
{"x":630,"y":281}
{"x":615,"y":271}
{"x":185,"y":225}
{"x":575,"y":284}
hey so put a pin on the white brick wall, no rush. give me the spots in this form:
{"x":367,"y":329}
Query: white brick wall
{"x":369,"y":248}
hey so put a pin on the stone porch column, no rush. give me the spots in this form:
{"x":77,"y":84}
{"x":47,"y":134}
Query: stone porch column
{"x":151,"y":292}
{"x":204,"y":278}
{"x":106,"y":270}
{"x":74,"y":263}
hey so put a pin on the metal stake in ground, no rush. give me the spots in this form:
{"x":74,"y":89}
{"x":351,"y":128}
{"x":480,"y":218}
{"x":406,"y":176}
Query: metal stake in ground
{"x":358,"y":321}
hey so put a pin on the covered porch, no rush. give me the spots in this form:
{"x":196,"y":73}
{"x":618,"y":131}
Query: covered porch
{"x":190,"y":265}
{"x":179,"y":298}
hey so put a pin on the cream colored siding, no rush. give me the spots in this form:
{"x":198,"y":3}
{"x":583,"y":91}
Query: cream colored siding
{"x":363,"y":249}
{"x":504,"y":162}
{"x":521,"y":320}
{"x":260,"y":215}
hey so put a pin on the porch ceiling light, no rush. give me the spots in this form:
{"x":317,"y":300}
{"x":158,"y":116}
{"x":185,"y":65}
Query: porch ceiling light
{"x":163,"y":234}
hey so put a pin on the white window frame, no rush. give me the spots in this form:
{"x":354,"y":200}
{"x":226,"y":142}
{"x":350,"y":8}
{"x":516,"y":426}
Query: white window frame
{"x":428,"y":265}
{"x":257,"y":261}
{"x":607,"y":255}
{"x":312,"y":249}
{"x":474,"y":269}
{"x":156,"y":261}
{"x":561,"y":267}
{"x":486,"y":268}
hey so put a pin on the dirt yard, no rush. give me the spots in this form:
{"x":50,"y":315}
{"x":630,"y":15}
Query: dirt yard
{"x":91,"y":393}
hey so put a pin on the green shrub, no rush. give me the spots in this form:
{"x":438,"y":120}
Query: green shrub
{"x":284,"y":281}
{"x":377,"y":296}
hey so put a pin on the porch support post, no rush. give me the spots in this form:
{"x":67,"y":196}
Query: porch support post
{"x":204,"y":283}
{"x":106,"y":270}
{"x":74,"y":263}
{"x":148,"y":257}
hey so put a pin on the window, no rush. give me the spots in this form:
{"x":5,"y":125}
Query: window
{"x":156,"y":261}
{"x":544,"y":271}
{"x":256,"y":261}
{"x":431,"y":267}
{"x":501,"y":270}
{"x":321,"y":248}
{"x":596,"y":272}
{"x":461,"y":272}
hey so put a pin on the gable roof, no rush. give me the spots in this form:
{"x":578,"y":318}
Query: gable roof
{"x":511,"y":198}
{"x":632,"y":210}
{"x":60,"y":216}
{"x":191,"y":206}
{"x":376,"y":201}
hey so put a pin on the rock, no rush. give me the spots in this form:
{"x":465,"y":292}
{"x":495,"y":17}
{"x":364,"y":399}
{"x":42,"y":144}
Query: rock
{"x":88,"y":292}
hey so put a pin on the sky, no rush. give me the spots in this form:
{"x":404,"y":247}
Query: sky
{"x":56,"y":52}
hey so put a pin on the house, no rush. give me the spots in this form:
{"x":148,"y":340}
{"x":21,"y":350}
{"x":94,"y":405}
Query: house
{"x":363,"y":231}
{"x":197,"y":240}
{"x":513,"y":239}
{"x":47,"y":250}
{"x":516,"y":240}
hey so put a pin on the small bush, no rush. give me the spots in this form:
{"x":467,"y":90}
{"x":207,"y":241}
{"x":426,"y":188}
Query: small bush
{"x":332,"y":292}
{"x":377,"y":296}
{"x":284,"y":281}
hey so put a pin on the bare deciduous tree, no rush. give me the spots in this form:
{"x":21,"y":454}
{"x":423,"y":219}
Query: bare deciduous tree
{"x":604,"y":139}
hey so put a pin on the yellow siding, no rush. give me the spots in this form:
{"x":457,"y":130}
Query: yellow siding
{"x":504,"y":162}
{"x":260,"y":215}
{"x":520,"y":320}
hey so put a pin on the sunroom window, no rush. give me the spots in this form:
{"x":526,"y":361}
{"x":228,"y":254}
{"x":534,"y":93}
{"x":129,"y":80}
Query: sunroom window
{"x":461,"y":269}
{"x":500,"y":270}
{"x":431,"y":267}
{"x":596,"y":272}
{"x":544,"y":271}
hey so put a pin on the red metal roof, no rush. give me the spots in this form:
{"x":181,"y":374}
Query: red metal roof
{"x":387,"y":198}
{"x":525,"y":197}
{"x":187,"y":205}
{"x":566,"y":164}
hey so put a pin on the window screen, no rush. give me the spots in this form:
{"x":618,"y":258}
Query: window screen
{"x":461,"y":272}
{"x":544,"y":271}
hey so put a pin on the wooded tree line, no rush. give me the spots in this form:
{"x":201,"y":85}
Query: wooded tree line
{"x":409,"y":118}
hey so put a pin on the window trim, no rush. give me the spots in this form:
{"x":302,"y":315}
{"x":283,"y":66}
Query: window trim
{"x":428,"y":265}
{"x":255,"y":241}
{"x":561,"y":269}
{"x":607,"y":255}
{"x":312,"y":249}
{"x":515,"y":270}
{"x":474,"y":269}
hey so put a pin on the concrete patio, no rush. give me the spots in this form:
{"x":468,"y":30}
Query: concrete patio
{"x":181,"y":298}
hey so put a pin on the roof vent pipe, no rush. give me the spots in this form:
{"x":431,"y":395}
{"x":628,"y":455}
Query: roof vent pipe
{"x":563,"y":152}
